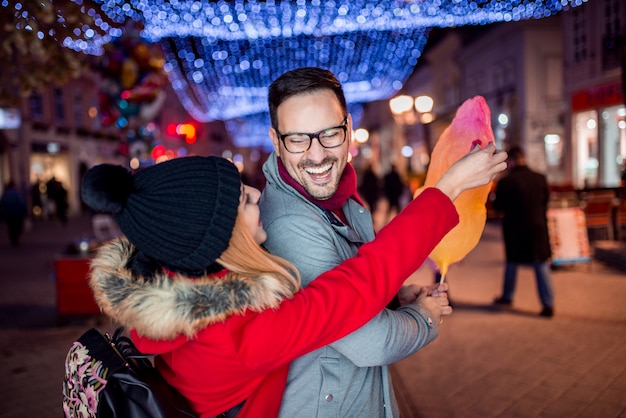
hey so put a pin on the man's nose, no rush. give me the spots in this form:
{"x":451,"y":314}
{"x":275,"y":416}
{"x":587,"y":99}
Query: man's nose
{"x":316,"y":152}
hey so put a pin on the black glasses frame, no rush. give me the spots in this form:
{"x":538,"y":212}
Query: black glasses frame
{"x":315,"y":135}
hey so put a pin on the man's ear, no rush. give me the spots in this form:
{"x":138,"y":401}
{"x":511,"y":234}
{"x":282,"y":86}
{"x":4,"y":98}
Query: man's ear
{"x":274,"y":136}
{"x":349,"y":132}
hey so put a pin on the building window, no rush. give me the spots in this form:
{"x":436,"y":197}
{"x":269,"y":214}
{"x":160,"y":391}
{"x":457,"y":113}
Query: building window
{"x":553,"y":79}
{"x":36,"y":106}
{"x":611,"y":133}
{"x":58,"y":105}
{"x":94,"y":114}
{"x":476,"y":84}
{"x":613,"y":40}
{"x":579,"y":36}
{"x":510,"y":76}
{"x":78,"y":111}
{"x":612,"y":24}
{"x":498,"y":78}
{"x":586,"y":128}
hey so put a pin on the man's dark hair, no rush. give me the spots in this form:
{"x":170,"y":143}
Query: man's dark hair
{"x":301,"y":81}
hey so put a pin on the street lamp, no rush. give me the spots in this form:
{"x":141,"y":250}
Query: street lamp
{"x":424,"y":106}
{"x":408,"y":111}
{"x":361,"y":135}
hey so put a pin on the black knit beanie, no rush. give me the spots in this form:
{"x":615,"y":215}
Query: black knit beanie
{"x":180,"y":212}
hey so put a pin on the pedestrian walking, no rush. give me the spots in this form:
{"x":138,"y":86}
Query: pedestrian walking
{"x":369,"y":188}
{"x":522,"y":196}
{"x":13,"y":211}
{"x":57,"y":194}
{"x":393,"y":188}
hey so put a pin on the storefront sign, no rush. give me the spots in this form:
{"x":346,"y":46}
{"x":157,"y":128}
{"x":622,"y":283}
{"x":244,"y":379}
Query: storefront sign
{"x":597,"y":97}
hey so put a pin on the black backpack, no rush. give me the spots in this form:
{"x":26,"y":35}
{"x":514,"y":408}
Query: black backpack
{"x":107,"y":377}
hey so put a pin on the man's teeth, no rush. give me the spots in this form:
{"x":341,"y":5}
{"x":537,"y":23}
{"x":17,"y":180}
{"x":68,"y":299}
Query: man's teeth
{"x":318,"y":170}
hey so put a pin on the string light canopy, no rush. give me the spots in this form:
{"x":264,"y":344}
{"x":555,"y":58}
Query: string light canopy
{"x":371,"y":65}
{"x":222,"y":55}
{"x":267,"y":19}
{"x":218,"y":79}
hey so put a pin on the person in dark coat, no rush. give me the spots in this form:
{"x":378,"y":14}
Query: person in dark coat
{"x":13,"y":211}
{"x":522,"y":196}
{"x":57,"y":193}
{"x":394,"y":187}
{"x":369,"y":188}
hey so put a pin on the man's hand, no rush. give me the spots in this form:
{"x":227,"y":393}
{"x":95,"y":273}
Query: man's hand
{"x":431,"y":301}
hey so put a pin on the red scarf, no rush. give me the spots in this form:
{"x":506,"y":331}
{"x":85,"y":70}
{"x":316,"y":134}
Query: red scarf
{"x":345,"y":190}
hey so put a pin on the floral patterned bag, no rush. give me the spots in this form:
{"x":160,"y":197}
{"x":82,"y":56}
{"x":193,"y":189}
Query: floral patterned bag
{"x":107,"y":377}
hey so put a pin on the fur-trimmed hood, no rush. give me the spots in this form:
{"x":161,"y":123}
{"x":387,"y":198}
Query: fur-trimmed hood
{"x":167,"y":306}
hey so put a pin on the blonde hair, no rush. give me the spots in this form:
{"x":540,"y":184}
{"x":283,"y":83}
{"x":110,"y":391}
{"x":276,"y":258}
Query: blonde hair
{"x":247,"y":258}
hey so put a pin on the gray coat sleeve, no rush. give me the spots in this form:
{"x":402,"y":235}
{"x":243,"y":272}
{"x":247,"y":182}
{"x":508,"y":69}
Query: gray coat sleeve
{"x":313,"y":247}
{"x":389,"y":337}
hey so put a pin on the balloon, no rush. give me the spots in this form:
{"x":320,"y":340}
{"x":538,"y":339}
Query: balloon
{"x":470,"y":126}
{"x":149,"y":111}
{"x":130,"y":72}
{"x":133,"y":80}
{"x":141,"y":55}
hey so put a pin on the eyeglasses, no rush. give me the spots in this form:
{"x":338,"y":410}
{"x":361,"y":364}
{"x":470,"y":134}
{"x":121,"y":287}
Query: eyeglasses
{"x":297,"y":143}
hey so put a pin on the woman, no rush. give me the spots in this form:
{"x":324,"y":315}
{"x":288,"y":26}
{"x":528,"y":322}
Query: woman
{"x":225,"y":317}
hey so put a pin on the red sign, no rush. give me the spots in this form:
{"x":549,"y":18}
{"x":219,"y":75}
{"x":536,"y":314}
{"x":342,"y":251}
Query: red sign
{"x":599,"y":96}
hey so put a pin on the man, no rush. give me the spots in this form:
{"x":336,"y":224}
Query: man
{"x":314,"y":219}
{"x":522,"y":196}
{"x":394,"y":188}
{"x":369,"y":188}
{"x":13,"y":211}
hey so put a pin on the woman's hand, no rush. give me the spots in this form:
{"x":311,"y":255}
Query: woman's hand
{"x":409,"y":293}
{"x":477,"y":168}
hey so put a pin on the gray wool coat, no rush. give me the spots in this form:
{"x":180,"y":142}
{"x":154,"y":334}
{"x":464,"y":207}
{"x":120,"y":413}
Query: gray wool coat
{"x":348,"y":378}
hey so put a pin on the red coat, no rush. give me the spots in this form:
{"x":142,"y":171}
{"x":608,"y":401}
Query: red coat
{"x":246,"y":356}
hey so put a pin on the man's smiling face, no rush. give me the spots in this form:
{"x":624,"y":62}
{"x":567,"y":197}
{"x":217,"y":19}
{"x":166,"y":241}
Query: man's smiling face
{"x":319,"y":169}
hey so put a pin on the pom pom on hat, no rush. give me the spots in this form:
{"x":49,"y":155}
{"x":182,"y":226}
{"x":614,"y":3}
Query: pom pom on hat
{"x":106,"y":187}
{"x":180,"y":212}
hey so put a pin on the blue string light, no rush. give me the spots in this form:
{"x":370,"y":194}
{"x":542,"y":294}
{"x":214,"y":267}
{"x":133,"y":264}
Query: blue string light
{"x":222,"y":55}
{"x":257,"y":19}
{"x":219,"y":80}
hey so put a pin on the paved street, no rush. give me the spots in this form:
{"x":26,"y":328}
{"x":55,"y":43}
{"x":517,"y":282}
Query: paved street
{"x":486,"y":362}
